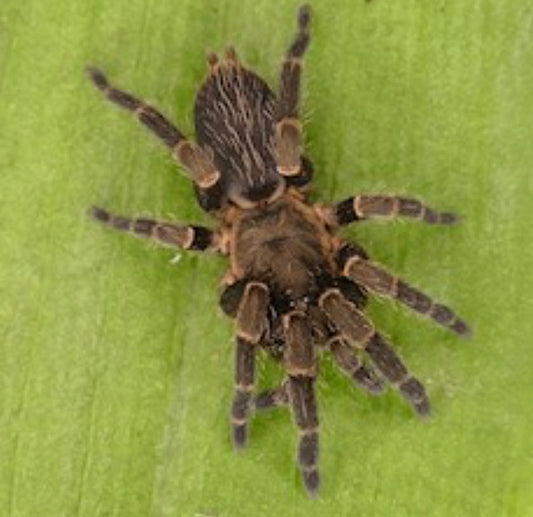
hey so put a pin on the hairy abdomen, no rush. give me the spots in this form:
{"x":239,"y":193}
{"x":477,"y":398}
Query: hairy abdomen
{"x":235,"y":122}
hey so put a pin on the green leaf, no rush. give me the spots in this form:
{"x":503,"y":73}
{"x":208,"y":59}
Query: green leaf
{"x":116,"y":365}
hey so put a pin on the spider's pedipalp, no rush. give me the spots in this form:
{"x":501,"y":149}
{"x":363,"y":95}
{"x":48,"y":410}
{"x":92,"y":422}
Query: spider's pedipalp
{"x":378,"y":205}
{"x":186,"y":237}
{"x":251,"y":325}
{"x":362,"y":375}
{"x":380,"y":281}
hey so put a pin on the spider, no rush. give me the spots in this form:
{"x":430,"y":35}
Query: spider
{"x":294,"y":287}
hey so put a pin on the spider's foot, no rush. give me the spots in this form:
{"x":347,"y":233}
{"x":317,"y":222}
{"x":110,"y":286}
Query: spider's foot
{"x":240,"y":436}
{"x":422,"y":408}
{"x":100,"y":214}
{"x":446,"y":218}
{"x":311,"y":479}
{"x":97,"y":77}
{"x":414,"y":392}
{"x":460,"y":327}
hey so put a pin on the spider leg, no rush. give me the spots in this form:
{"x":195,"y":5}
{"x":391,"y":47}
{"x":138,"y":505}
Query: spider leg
{"x":289,"y":127}
{"x":357,"y":328}
{"x":300,"y":363}
{"x":191,"y":156}
{"x":390,"y":364}
{"x":251,"y":324}
{"x":363,"y":375}
{"x":273,"y":398}
{"x":328,"y":337}
{"x":379,"y":280}
{"x":370,"y":206}
{"x":187,"y":237}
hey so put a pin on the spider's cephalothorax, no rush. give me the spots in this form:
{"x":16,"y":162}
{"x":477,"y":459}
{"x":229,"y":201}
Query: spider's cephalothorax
{"x":293,"y":287}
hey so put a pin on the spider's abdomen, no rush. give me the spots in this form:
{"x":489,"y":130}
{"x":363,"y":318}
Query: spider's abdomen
{"x":235,"y":123}
{"x":281,"y":246}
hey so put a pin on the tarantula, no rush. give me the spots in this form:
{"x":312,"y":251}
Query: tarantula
{"x":294,"y":287}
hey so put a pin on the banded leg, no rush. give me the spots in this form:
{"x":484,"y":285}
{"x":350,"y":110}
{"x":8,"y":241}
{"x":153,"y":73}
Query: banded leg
{"x":361,"y":374}
{"x":379,"y":280}
{"x":192,"y":157}
{"x":370,"y":206}
{"x":357,"y":328}
{"x":187,"y":237}
{"x":289,"y":128}
{"x":390,"y":364}
{"x":274,"y":398}
{"x":300,"y":363}
{"x":251,"y":325}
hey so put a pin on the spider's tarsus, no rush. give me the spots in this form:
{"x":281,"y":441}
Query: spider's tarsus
{"x":304,"y":16}
{"x":450,"y":218}
{"x":301,"y":41}
{"x":445,"y":218}
{"x":414,"y":392}
{"x":100,"y":214}
{"x":120,"y":223}
{"x":97,"y":77}
{"x":461,"y":327}
{"x":422,"y":409}
{"x":311,"y":479}
{"x":240,"y":437}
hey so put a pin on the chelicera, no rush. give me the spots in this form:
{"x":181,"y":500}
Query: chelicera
{"x":294,"y":287}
